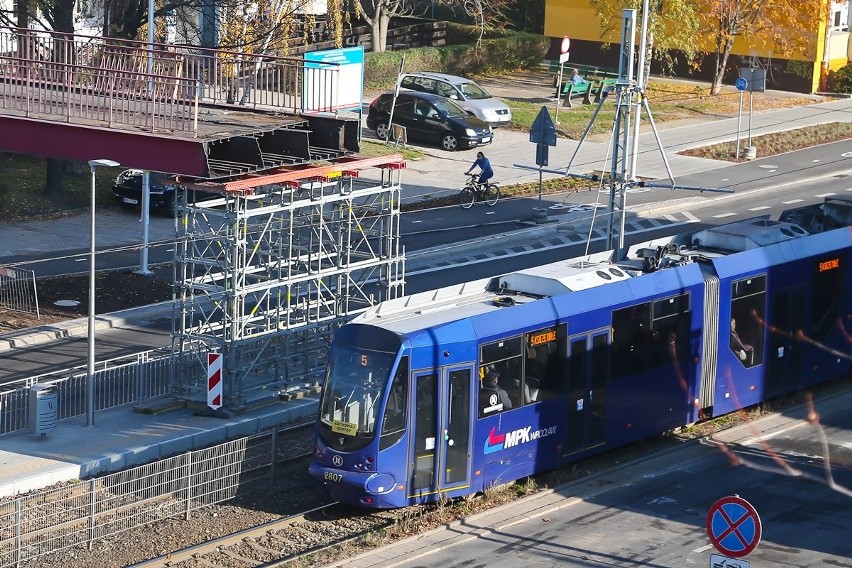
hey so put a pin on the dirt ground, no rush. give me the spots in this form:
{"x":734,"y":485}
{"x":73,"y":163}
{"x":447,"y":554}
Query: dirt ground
{"x":114,"y":291}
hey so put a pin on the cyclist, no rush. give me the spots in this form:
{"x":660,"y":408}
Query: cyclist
{"x":485,"y":171}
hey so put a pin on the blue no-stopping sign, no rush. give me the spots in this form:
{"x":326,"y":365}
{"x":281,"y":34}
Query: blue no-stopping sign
{"x":733,"y":526}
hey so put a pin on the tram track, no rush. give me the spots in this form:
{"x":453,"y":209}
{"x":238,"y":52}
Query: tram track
{"x":281,"y":541}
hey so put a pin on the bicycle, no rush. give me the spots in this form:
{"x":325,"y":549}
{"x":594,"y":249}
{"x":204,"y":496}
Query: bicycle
{"x":474,"y":191}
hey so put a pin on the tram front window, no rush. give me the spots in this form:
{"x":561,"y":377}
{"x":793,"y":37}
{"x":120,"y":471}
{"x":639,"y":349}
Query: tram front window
{"x":352,"y":395}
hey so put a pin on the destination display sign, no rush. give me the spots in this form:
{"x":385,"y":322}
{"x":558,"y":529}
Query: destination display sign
{"x":542,"y":337}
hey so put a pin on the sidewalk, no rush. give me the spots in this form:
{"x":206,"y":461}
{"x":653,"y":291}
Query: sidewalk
{"x":122,"y":438}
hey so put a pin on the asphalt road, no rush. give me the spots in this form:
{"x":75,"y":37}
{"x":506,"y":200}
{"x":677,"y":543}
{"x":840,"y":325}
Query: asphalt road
{"x":653,"y":512}
{"x":483,"y":242}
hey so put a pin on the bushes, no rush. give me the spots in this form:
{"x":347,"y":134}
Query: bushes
{"x":840,"y":81}
{"x":499,"y":53}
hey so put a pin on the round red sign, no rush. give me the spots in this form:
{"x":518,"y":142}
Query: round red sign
{"x":733,"y":526}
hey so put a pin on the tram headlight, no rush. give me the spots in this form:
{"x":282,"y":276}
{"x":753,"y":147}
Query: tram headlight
{"x":367,"y":463}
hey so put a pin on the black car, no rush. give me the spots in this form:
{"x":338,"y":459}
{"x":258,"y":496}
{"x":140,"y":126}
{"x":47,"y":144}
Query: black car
{"x":431,"y":118}
{"x":127,"y":191}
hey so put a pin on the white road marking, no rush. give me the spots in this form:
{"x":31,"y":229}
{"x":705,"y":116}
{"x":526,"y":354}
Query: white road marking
{"x":829,"y":194}
{"x":792,"y":201}
{"x":722,"y":215}
{"x":760,"y":208}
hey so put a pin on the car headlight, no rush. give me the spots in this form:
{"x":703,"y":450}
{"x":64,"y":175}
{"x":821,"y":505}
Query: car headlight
{"x":470,"y":131}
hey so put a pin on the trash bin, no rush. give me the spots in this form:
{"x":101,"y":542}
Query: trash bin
{"x":44,"y":408}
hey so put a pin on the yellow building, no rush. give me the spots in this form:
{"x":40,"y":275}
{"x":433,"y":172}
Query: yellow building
{"x":826,"y":46}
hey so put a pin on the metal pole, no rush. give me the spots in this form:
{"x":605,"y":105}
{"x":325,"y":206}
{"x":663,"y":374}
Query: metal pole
{"x":539,"y":190}
{"x":750,"y":95}
{"x":639,"y":92}
{"x":150,"y":47}
{"x":146,"y":221}
{"x":90,"y":360}
{"x":739,"y":122}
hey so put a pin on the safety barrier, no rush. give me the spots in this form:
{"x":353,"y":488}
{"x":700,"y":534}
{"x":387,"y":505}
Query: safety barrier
{"x":81,"y":513}
{"x":18,"y":290}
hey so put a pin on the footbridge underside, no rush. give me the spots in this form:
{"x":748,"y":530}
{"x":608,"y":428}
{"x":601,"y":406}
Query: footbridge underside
{"x":229,"y":144}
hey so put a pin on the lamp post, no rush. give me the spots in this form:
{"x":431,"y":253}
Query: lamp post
{"x":90,"y":366}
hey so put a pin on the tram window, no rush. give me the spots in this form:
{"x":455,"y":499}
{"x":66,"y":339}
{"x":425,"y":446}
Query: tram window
{"x":670,"y":330}
{"x":425,"y":425}
{"x":746,"y":326}
{"x":631,"y":337}
{"x":544,"y":364}
{"x":393,"y":424}
{"x":502,"y":358}
{"x":827,"y":298}
{"x":650,"y":335}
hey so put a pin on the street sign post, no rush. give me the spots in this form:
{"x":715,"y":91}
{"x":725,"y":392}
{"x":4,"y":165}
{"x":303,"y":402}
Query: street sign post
{"x":733,"y":526}
{"x":741,"y":84}
{"x":543,"y":134}
{"x":564,"y":46}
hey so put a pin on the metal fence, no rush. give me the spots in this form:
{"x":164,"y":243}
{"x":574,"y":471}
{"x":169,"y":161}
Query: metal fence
{"x":18,"y":290}
{"x":117,"y":382}
{"x":79,"y":514}
{"x":159,"y":87}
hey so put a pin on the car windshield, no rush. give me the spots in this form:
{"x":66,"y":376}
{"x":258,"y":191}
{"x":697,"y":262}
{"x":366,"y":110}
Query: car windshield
{"x":473,"y":91}
{"x":449,"y":108}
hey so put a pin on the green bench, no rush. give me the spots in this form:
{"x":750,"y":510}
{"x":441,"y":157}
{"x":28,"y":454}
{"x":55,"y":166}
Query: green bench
{"x":570,"y":89}
{"x":598,"y":79}
{"x":591,"y":89}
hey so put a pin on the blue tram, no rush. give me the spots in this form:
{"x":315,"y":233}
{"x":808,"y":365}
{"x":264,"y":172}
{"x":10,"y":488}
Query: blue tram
{"x":448,"y":392}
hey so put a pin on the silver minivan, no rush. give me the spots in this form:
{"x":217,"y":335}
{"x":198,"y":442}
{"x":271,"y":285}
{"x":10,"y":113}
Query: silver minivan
{"x":465,"y":92}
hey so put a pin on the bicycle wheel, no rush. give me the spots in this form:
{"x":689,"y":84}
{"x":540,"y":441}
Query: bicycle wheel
{"x":492,"y":194}
{"x":466,"y":197}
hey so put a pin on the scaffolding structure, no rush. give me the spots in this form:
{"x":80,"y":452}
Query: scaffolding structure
{"x":267,"y":272}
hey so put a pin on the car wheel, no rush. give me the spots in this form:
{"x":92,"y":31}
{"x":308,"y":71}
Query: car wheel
{"x":382,"y":131}
{"x":450,"y":142}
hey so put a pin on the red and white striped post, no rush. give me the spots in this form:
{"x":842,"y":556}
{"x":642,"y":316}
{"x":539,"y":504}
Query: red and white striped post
{"x":214,"y":380}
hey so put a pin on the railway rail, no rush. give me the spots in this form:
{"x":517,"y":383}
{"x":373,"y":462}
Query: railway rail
{"x":277,"y":543}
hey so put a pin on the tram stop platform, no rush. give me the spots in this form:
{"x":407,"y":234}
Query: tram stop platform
{"x":123,"y":438}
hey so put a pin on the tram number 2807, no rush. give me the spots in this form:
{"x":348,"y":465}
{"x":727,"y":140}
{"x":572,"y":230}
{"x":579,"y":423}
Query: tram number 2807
{"x":331,"y":476}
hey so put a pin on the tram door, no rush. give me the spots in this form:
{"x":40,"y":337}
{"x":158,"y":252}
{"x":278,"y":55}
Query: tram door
{"x":588,"y":359}
{"x":786,"y":313}
{"x":442,"y":431}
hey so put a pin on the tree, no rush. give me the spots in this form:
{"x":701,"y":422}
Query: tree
{"x":773,"y":24}
{"x":683,"y":25}
{"x":672,"y":25}
{"x":378,"y":14}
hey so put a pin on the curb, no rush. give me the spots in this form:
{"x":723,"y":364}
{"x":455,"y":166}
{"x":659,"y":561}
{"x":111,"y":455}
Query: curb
{"x":80,"y":326}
